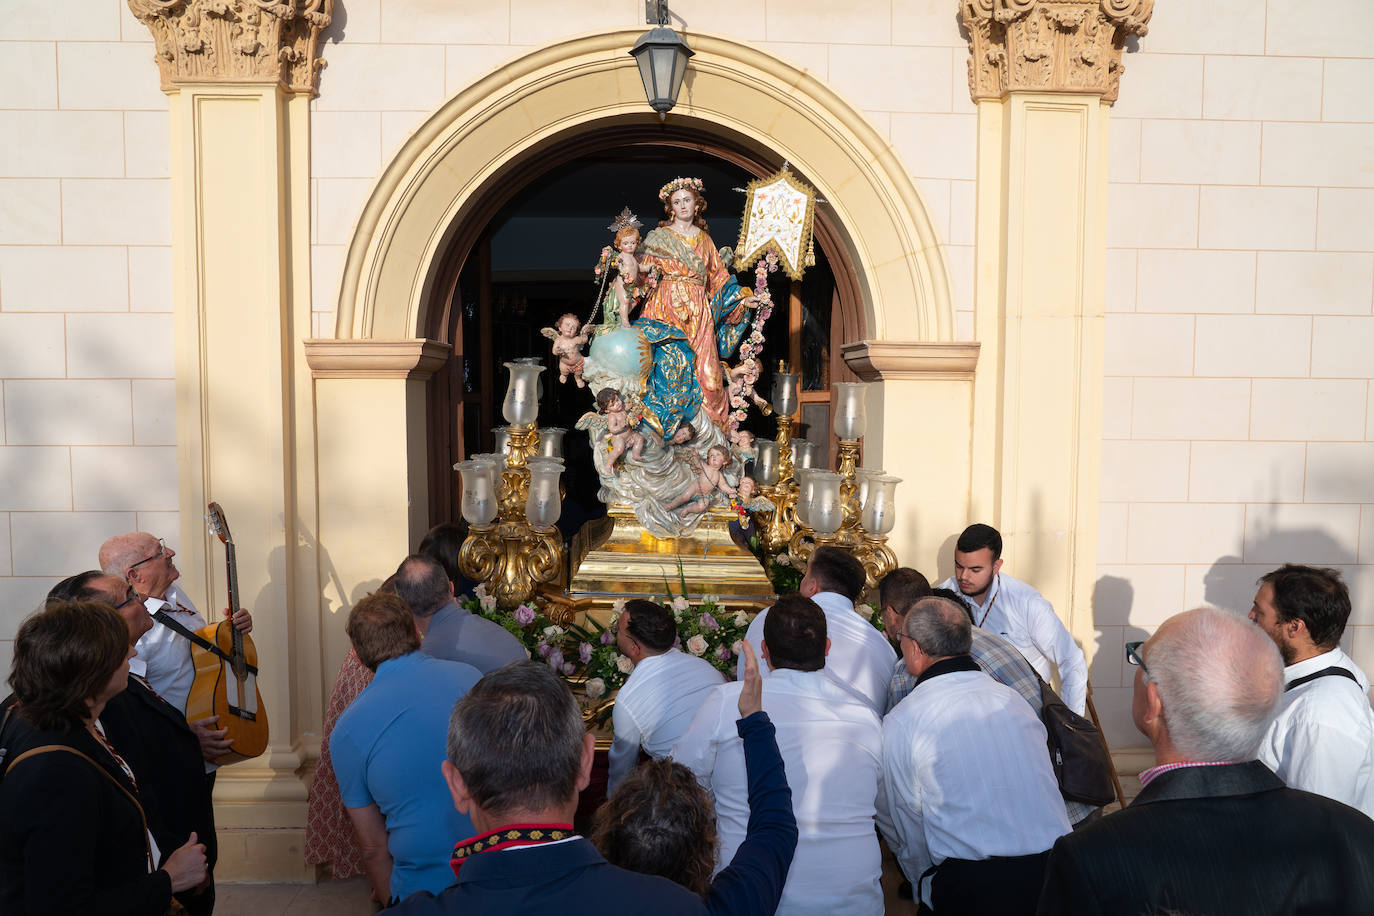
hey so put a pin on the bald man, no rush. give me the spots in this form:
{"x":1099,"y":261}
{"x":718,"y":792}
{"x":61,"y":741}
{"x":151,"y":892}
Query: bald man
{"x":1213,"y":830}
{"x":164,"y":655}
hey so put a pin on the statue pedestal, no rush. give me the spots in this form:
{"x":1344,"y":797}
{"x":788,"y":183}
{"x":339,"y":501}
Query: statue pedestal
{"x":616,"y":557}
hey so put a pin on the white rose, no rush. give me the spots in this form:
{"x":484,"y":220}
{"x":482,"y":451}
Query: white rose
{"x":741,"y":619}
{"x":680,"y":603}
{"x":865,"y":611}
{"x":554,"y":630}
{"x":623,"y":664}
{"x":618,"y":605}
{"x":782,"y":560}
{"x":487,"y":602}
{"x":697,"y":644}
{"x":738,"y":647}
{"x":596,"y":688}
{"x":710,"y":599}
{"x":480,"y":591}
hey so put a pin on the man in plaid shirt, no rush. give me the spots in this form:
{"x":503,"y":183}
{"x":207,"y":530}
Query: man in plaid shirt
{"x":902,"y":588}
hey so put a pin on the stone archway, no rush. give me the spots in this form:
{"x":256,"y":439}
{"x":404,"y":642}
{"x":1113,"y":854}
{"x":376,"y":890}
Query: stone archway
{"x":732,"y":91}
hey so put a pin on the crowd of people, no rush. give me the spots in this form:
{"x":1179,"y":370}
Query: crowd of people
{"x":453,"y":764}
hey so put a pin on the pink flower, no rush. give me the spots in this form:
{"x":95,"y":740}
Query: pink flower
{"x":524,"y":615}
{"x":555,"y":657}
{"x":543,"y":648}
{"x":707,"y":622}
{"x":607,"y":638}
{"x":584,"y":652}
{"x":569,"y":667}
{"x":697,"y":645}
{"x":723,"y":653}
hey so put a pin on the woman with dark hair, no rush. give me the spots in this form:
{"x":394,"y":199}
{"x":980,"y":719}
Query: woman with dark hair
{"x":660,"y":821}
{"x":73,"y":836}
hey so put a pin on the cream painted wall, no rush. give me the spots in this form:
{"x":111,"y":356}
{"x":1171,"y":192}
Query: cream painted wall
{"x":89,"y":415}
{"x":1238,"y":411}
{"x":1238,"y":406}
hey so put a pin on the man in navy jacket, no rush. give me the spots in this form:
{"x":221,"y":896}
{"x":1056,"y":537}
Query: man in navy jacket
{"x":518,"y":757}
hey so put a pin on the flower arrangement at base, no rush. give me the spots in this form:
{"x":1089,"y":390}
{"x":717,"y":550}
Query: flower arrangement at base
{"x":785,"y":573}
{"x":587,"y":655}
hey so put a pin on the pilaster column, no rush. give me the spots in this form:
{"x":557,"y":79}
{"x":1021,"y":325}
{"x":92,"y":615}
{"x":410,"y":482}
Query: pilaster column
{"x":239,"y":75}
{"x":1043,"y":74}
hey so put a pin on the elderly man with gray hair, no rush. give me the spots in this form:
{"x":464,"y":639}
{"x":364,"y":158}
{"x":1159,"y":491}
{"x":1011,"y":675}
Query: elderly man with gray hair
{"x":972,"y":802}
{"x":1213,"y":830}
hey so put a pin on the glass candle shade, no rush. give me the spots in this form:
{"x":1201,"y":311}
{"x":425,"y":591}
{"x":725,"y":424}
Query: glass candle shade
{"x":862,"y":477}
{"x":479,"y":498}
{"x":551,"y":441}
{"x":521,"y":406}
{"x":880,"y":512}
{"x":850,"y":416}
{"x":495,"y":463}
{"x":766,"y":463}
{"x":533,"y":361}
{"x":825,"y":513}
{"x":785,"y":393}
{"x":804,"y":495}
{"x":803,"y":453}
{"x":543,"y":506}
{"x":502,"y":437}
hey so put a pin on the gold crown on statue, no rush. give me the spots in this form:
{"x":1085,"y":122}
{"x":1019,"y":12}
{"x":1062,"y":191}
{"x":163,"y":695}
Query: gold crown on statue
{"x":677,"y":184}
{"x":626,"y":220}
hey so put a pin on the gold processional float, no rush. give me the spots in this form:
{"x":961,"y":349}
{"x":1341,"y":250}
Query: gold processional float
{"x":511,"y":497}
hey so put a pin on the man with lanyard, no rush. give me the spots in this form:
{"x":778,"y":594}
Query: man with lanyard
{"x":1017,"y":612}
{"x":164,"y":654}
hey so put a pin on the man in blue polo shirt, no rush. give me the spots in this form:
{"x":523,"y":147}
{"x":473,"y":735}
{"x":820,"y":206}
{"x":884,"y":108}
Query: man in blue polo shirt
{"x":388,"y":747}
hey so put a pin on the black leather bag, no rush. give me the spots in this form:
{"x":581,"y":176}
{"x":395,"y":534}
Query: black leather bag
{"x":1077,"y":752}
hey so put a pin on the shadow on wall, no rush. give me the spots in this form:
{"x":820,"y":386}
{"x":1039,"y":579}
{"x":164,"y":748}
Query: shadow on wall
{"x":1232,"y":581}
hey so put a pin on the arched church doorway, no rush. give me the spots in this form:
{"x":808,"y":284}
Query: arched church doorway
{"x":524,"y":257}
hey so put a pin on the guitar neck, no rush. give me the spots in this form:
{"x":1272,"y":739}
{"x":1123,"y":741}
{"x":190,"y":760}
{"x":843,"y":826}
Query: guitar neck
{"x":232,"y":582}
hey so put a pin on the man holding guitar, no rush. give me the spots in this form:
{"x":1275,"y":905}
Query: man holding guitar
{"x":164,"y":655}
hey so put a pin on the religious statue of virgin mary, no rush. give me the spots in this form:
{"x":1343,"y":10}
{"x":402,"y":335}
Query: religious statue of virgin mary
{"x":694,"y":314}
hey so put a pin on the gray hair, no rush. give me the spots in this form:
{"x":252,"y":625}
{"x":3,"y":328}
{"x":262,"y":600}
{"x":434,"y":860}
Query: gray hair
{"x":1220,"y":679}
{"x":422,"y":584}
{"x":516,"y":739}
{"x":120,"y":552}
{"x":939,"y":626}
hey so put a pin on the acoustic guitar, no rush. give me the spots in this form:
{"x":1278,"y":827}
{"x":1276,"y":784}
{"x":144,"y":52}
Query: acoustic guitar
{"x":226,"y":683}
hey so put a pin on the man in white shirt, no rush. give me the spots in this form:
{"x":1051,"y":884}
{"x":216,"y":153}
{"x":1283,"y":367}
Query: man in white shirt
{"x":1323,"y":738}
{"x":831,"y":744}
{"x":164,"y":656}
{"x":1017,"y":612}
{"x":860,"y":657}
{"x":656,"y":704}
{"x":972,"y":806}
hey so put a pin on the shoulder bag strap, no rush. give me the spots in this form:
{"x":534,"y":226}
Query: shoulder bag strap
{"x":1325,"y":672}
{"x":49,"y":748}
{"x":171,"y":623}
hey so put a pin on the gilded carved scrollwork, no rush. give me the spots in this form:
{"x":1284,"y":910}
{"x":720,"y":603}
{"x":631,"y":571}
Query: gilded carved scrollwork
{"x":237,"y":40}
{"x":1049,"y":45}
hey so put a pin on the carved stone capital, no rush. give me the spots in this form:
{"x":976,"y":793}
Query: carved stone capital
{"x":209,"y":41}
{"x":1049,"y":45}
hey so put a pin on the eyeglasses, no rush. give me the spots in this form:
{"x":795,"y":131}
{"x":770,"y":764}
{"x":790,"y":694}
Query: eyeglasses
{"x":1133,"y":656}
{"x":130,"y":598}
{"x":161,"y":552}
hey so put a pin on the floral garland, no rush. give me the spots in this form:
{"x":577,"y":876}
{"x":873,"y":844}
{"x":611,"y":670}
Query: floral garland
{"x":677,"y":184}
{"x":752,"y":348}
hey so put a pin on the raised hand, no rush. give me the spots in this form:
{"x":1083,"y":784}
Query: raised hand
{"x":751,"y":697}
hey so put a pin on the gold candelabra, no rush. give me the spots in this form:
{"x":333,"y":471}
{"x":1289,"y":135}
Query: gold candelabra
{"x":850,"y":508}
{"x":511,"y":503}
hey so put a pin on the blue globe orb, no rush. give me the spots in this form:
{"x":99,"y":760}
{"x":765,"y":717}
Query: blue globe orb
{"x":623,"y":352}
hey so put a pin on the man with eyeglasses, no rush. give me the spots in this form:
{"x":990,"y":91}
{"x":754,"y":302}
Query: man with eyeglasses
{"x":1213,"y":830}
{"x":155,"y":740}
{"x":164,"y":655}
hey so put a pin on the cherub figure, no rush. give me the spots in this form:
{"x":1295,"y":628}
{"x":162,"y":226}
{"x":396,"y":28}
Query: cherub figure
{"x":568,"y":339}
{"x":749,"y":499}
{"x":742,"y":378}
{"x":620,"y":433}
{"x":710,"y":480}
{"x":626,"y":241}
{"x":743,"y":441}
